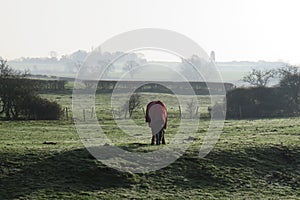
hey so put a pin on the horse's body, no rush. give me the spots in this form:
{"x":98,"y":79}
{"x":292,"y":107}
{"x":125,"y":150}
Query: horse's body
{"x":156,"y":116}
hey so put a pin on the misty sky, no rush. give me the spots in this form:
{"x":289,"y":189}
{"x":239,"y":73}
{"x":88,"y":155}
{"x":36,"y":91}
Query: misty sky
{"x":234,"y":29}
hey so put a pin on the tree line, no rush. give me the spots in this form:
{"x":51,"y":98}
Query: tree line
{"x":19,"y":98}
{"x":260,"y":101}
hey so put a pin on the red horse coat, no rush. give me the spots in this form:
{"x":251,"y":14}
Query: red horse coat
{"x":156,"y":116}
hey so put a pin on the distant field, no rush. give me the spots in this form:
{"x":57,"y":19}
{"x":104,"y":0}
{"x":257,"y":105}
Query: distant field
{"x":102,"y":102}
{"x":254,"y":159}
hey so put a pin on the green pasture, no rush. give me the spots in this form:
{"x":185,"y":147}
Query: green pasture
{"x":253,"y":159}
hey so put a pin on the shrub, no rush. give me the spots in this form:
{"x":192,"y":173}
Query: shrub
{"x":258,"y":102}
{"x":37,"y":108}
{"x":18,"y":97}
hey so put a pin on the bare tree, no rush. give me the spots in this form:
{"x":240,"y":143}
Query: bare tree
{"x":288,"y":70}
{"x":290,"y":81}
{"x":130,"y":67}
{"x":15,"y":90}
{"x":191,"y":108}
{"x":5,"y":70}
{"x":134,"y":103}
{"x":259,"y":78}
{"x":196,"y":68}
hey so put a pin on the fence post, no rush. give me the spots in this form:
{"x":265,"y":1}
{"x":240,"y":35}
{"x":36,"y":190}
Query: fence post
{"x":83,"y":114}
{"x":92,"y":113}
{"x":179,"y":111}
{"x":67,"y":114}
{"x":197,"y":111}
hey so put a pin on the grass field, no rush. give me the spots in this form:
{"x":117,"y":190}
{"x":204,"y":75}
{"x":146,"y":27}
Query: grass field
{"x":254,"y":159}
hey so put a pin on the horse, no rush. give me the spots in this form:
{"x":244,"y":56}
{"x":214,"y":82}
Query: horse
{"x":156,"y":116}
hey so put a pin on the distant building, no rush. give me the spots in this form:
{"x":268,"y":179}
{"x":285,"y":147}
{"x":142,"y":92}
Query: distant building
{"x":212,"y":56}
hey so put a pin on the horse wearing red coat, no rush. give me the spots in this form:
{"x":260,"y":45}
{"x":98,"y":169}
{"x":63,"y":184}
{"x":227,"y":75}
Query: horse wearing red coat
{"x":156,"y":116}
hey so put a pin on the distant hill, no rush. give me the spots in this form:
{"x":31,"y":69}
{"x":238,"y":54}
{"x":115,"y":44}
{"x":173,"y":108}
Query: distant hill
{"x":68,"y":65}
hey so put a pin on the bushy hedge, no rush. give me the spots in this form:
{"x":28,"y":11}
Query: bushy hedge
{"x":37,"y":108}
{"x":259,"y":102}
{"x":19,"y":100}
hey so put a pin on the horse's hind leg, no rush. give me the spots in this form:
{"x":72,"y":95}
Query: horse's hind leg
{"x":153,"y":139}
{"x":163,"y":137}
{"x":158,"y":138}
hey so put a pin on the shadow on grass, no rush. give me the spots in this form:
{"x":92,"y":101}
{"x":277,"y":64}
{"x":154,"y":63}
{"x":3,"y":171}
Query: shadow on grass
{"x":77,"y":171}
{"x":139,"y":147}
{"x":72,"y":171}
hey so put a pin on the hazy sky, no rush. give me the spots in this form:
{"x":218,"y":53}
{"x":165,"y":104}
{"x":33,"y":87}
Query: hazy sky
{"x":234,"y":29}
